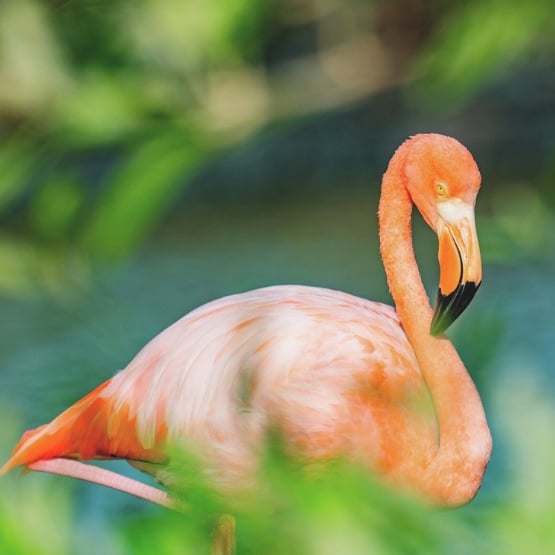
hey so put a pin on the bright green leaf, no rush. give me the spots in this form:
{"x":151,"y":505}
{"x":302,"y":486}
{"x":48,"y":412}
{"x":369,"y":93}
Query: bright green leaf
{"x":138,"y":194}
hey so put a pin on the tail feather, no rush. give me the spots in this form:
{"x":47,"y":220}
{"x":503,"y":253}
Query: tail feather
{"x":85,"y":430}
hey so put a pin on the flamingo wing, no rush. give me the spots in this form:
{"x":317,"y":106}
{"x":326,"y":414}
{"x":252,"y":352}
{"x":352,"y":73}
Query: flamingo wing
{"x":334,"y":370}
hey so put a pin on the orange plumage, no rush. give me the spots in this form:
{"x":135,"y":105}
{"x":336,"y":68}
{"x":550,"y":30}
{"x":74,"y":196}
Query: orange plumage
{"x":340,"y":375}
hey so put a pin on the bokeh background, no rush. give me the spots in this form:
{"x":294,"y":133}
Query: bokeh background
{"x":157,"y":154}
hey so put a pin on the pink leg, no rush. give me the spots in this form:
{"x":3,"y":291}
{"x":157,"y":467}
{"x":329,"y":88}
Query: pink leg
{"x":90,"y":473}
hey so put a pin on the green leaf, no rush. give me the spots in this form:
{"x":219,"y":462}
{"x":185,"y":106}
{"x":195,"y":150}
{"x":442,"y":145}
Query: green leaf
{"x":477,"y":41}
{"x":55,"y":207}
{"x":15,"y":166}
{"x":138,"y":195}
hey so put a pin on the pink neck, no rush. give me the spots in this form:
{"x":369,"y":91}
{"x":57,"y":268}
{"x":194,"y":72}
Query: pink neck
{"x":456,"y":472}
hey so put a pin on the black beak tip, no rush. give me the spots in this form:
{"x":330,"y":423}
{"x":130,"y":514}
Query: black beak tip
{"x":439,"y":325}
{"x":449,"y":307}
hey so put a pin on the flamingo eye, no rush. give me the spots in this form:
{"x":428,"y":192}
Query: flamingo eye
{"x":441,"y":189}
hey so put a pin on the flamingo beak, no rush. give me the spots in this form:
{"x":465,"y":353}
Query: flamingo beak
{"x":460,"y":265}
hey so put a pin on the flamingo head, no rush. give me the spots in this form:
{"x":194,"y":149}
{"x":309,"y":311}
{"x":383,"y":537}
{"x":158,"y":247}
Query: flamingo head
{"x":443,"y":180}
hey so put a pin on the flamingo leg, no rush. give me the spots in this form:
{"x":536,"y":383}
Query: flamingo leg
{"x":223,"y":542}
{"x":104,"y":477}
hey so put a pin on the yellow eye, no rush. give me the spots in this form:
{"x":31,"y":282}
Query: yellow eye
{"x":441,"y":189}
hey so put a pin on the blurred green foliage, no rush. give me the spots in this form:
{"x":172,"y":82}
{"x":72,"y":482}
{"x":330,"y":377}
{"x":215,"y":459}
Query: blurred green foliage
{"x":476,"y":42}
{"x":139,"y":192}
{"x":165,"y":85}
{"x":316,"y":509}
{"x":107,"y":111}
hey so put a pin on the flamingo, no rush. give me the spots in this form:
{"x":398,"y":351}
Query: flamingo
{"x":340,"y":375}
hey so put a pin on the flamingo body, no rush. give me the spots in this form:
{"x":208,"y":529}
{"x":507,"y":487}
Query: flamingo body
{"x":336,"y":371}
{"x":340,"y":375}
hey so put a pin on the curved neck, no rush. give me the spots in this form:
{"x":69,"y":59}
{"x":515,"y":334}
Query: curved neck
{"x":403,"y":277}
{"x":456,"y":471}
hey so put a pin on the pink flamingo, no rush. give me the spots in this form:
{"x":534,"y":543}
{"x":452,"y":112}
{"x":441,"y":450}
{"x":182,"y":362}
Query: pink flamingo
{"x":342,"y":376}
